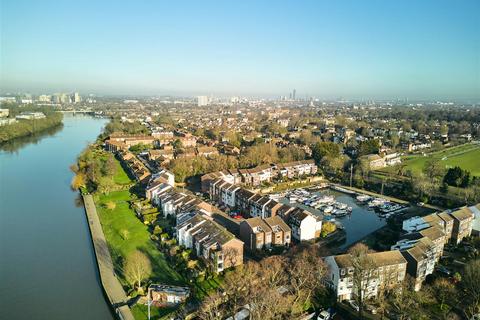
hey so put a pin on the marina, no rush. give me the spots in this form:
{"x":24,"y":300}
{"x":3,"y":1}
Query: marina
{"x":357,"y":214}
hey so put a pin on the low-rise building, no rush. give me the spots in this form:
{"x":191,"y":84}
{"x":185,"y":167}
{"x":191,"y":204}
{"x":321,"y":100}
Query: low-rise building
{"x":385,"y":269}
{"x":305,"y":226}
{"x":462,"y":224}
{"x":210,"y":241}
{"x":258,"y":233}
{"x":161,"y":295}
{"x":421,"y":258}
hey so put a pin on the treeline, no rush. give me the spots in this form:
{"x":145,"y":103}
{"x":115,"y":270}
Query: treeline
{"x":115,"y":125}
{"x":25,"y":128}
{"x":94,"y":171}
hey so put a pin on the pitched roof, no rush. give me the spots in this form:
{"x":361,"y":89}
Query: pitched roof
{"x":276,"y":222}
{"x":462,"y":214}
{"x":420,"y":250}
{"x":257,"y":224}
{"x":433,"y":233}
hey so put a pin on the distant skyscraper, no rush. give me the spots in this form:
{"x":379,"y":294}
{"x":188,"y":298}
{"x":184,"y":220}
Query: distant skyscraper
{"x":76,"y":97}
{"x":294,"y":93}
{"x":202,"y":101}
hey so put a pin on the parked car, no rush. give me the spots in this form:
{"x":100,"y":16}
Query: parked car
{"x":444,"y":270}
{"x":324,"y":315}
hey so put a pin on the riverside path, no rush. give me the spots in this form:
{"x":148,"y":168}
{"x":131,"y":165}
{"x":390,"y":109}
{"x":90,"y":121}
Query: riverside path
{"x":114,"y":290}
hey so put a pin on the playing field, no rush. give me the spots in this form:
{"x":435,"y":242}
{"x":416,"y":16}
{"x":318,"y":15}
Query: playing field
{"x":466,"y":156}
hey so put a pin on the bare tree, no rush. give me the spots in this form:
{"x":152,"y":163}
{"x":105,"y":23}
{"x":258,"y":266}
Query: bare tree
{"x":443,"y":290}
{"x":240,"y":285}
{"x":403,"y":300}
{"x":137,"y":268}
{"x":211,"y":308}
{"x":306,"y":272}
{"x":273,"y":271}
{"x":471,"y":285}
{"x":230,"y":256}
{"x":363,"y":274}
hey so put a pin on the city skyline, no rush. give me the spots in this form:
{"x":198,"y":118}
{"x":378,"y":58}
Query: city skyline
{"x":326,"y":50}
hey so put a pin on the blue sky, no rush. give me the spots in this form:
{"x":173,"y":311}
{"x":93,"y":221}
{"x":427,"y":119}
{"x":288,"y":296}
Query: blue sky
{"x":327,"y":49}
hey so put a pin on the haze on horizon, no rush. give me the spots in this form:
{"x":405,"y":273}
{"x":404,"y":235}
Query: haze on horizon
{"x":326,"y":49}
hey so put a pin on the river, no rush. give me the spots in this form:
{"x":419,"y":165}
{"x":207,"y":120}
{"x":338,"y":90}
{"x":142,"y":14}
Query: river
{"x":47,"y":263}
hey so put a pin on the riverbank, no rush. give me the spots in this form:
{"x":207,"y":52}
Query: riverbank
{"x":47,"y":253}
{"x":26,"y":128}
{"x":111,"y":285}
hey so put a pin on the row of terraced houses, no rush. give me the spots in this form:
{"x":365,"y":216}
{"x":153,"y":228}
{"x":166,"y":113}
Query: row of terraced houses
{"x":265,"y":173}
{"x":415,"y":254}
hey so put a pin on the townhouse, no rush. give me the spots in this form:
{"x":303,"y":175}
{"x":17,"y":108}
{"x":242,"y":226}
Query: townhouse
{"x":375,"y":161}
{"x":281,"y":232}
{"x":255,"y":234}
{"x":296,"y":169}
{"x":117,"y":141}
{"x":476,"y":220}
{"x":462,"y":224}
{"x":258,"y":233}
{"x":231,"y":176}
{"x":161,"y":154}
{"x":421,"y":256}
{"x":264,"y":173}
{"x":387,"y":269}
{"x":456,"y":224}
{"x":135,"y":166}
{"x":210,"y":241}
{"x":305,"y":226}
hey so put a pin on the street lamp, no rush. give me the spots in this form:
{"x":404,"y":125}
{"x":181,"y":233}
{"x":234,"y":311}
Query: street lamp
{"x":149,"y":303}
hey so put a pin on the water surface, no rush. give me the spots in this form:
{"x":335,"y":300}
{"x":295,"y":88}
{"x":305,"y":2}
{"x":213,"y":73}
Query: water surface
{"x":47,"y":264}
{"x":359,"y":224}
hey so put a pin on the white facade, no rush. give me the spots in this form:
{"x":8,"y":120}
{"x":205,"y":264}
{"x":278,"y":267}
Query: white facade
{"x":202,"y":101}
{"x":306,"y":229}
{"x":414,"y":224}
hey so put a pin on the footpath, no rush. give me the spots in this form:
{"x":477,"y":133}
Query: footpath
{"x":112,"y":287}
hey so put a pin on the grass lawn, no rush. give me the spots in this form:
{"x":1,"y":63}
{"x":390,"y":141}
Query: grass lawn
{"x":121,"y":177}
{"x":140,"y":311}
{"x":115,"y":221}
{"x":465,"y":156}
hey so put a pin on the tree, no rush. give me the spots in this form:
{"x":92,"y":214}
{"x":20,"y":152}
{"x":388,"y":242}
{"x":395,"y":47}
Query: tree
{"x":363,"y":273}
{"x":325,"y":149}
{"x":404,"y":300}
{"x":370,"y":146}
{"x":457,"y":177}
{"x":110,"y":205}
{"x":211,"y":308}
{"x":137,"y":268}
{"x":177,"y":144}
{"x":306,"y":274}
{"x":471,"y":288}
{"x":433,"y":169}
{"x":231,"y":256}
{"x":443,"y":290}
{"x":78,"y":181}
{"x":110,"y":167}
